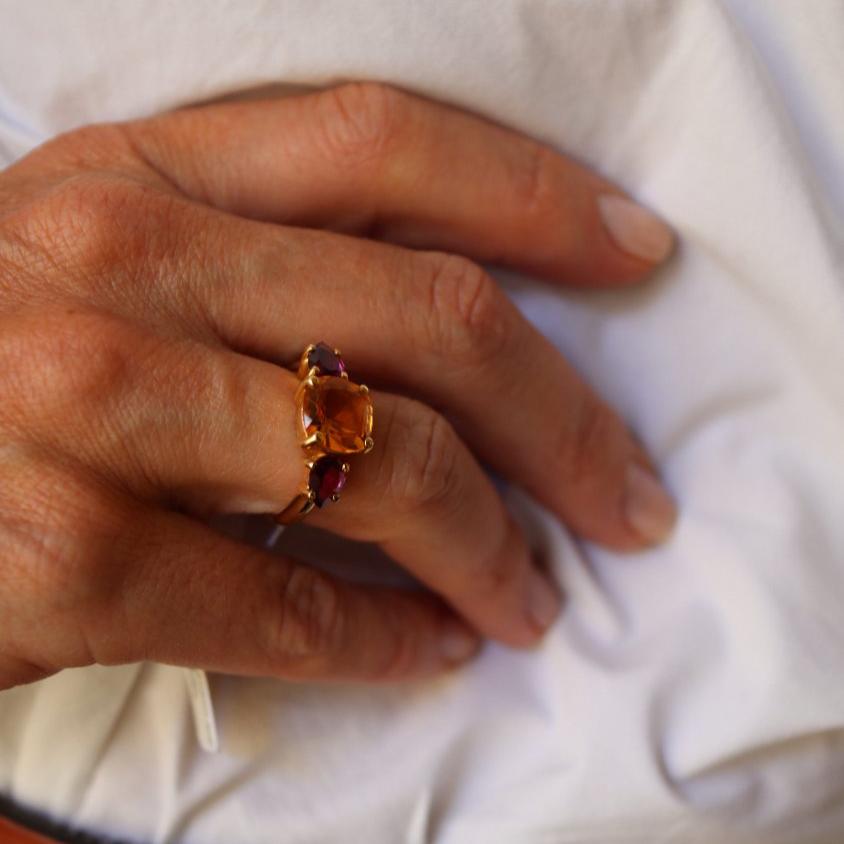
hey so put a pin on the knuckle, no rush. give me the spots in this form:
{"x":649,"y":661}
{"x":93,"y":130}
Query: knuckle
{"x":215,"y":383}
{"x":542,"y":196}
{"x":493,"y":577}
{"x":429,"y":477}
{"x":64,"y":360}
{"x":468,"y":315}
{"x":89,"y":226}
{"x":401,"y":655}
{"x":359,"y":120}
{"x":60,"y":544}
{"x":583,"y":446}
{"x":311,"y":621}
{"x":80,"y":219}
{"x":536,"y":187}
{"x":65,"y":226}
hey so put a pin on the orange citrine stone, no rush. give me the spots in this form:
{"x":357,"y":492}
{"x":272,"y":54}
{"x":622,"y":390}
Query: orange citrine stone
{"x":339,"y":410}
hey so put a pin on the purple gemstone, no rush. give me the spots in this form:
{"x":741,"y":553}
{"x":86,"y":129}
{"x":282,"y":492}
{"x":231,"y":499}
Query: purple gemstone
{"x":328,"y":361}
{"x":326,"y":479}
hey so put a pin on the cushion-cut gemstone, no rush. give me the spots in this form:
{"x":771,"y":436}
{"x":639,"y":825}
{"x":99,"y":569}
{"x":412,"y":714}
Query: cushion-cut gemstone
{"x":327,"y":478}
{"x":339,"y":410}
{"x":328,"y":361}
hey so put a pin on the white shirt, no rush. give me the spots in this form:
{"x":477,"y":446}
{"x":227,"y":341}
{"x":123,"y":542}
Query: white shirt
{"x":692,"y":693}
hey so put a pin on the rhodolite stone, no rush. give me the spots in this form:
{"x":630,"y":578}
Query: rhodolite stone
{"x":339,"y":410}
{"x":328,"y":361}
{"x":327,"y":478}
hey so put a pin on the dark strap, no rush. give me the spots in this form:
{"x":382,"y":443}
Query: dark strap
{"x":11,"y":833}
{"x":21,"y":825}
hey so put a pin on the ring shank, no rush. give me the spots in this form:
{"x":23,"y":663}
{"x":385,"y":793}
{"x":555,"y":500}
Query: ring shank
{"x":297,"y":509}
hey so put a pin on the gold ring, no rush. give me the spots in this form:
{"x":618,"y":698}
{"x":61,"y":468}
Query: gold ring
{"x":334,"y":418}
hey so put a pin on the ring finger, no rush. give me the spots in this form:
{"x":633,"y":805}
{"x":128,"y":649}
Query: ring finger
{"x":213,"y":430}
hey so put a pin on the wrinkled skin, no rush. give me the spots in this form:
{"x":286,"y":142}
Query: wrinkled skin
{"x":157,"y":277}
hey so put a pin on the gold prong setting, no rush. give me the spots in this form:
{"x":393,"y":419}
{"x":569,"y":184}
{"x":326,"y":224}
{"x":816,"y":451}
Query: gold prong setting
{"x":315,"y":439}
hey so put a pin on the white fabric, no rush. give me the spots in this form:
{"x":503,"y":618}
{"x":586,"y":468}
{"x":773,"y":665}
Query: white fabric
{"x":690,"y":694}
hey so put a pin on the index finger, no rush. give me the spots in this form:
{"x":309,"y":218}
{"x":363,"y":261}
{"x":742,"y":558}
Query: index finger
{"x":367,"y":158}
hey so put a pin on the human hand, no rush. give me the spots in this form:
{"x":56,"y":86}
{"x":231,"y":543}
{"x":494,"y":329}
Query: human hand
{"x":153,"y":276}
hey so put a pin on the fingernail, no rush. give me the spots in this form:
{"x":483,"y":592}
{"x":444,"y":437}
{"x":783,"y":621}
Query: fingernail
{"x":457,"y":642}
{"x":635,"y":229}
{"x":648,"y":507}
{"x":543,"y":601}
